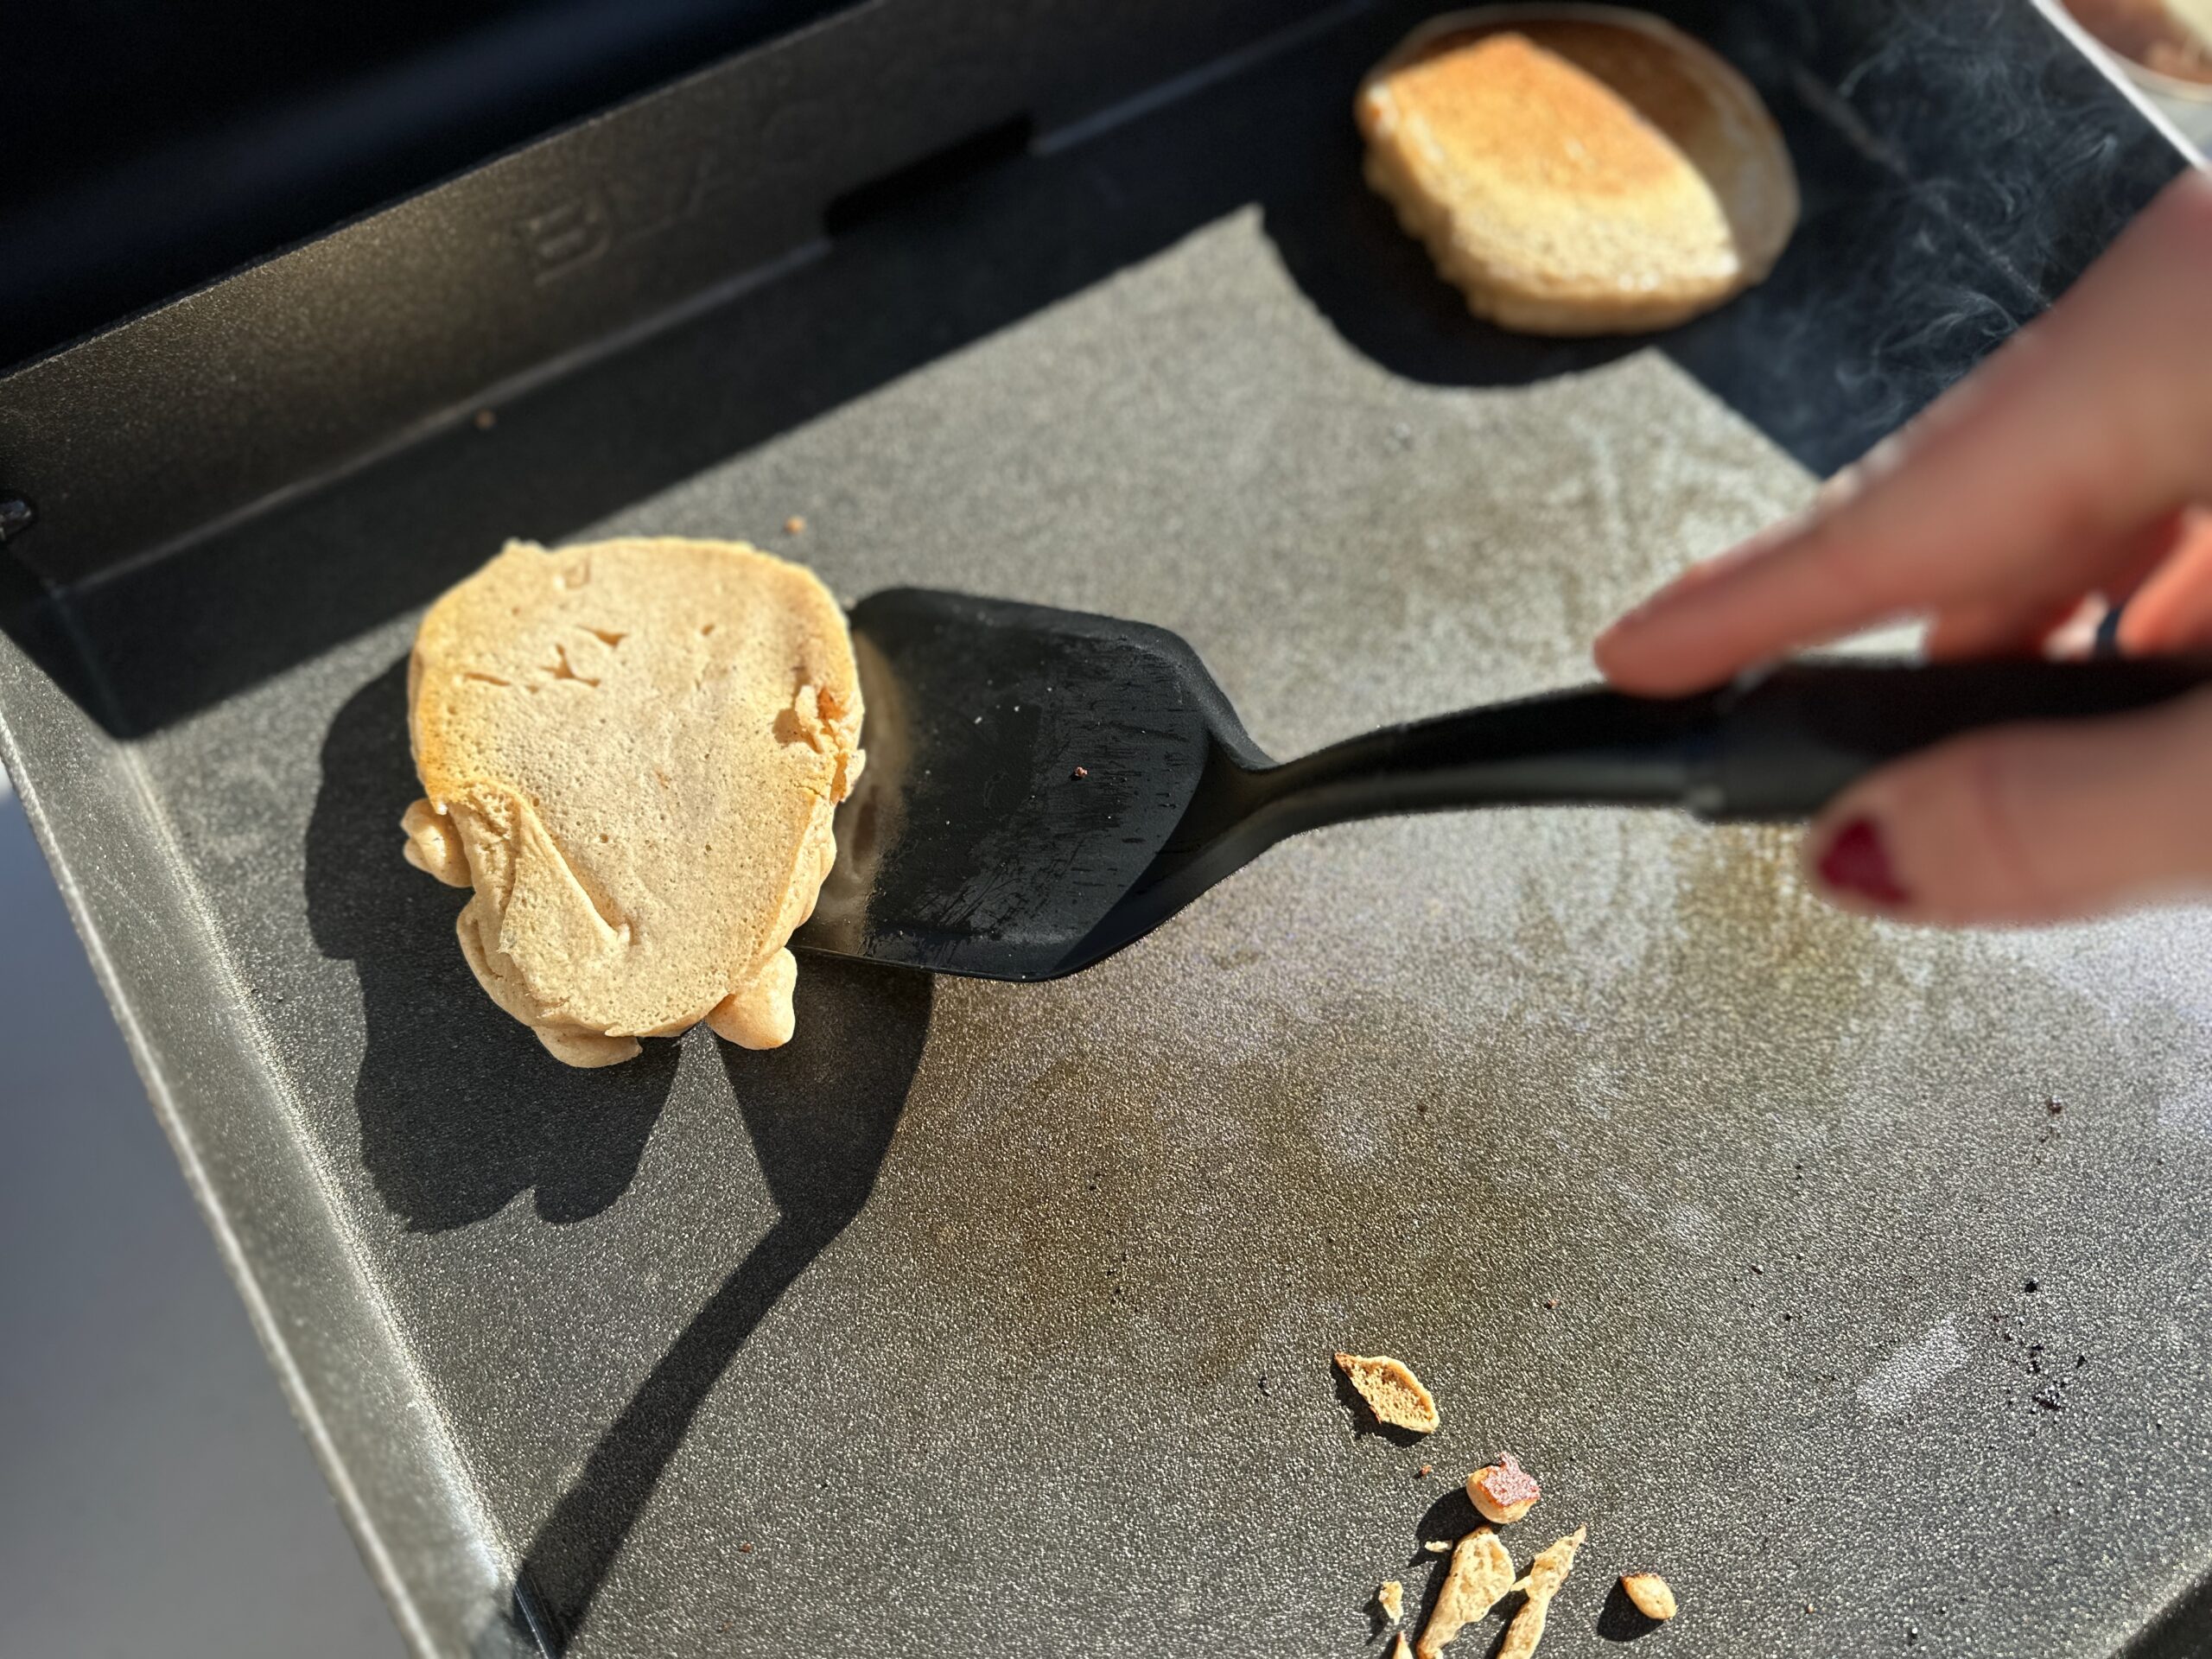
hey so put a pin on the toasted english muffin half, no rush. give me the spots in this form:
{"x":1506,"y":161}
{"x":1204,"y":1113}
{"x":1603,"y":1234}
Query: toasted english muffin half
{"x":1578,"y":169}
{"x":633,"y":751}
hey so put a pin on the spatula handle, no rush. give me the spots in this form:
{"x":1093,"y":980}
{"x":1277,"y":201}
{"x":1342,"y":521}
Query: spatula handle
{"x":1778,"y":745}
{"x":1788,"y":741}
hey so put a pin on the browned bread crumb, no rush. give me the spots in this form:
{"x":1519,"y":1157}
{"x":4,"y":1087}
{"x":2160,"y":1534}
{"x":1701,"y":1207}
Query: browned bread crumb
{"x":1391,"y":1598}
{"x":1393,"y":1393}
{"x":1502,"y":1491}
{"x":1399,"y":1649}
{"x":1480,"y":1575}
{"x":1653,"y":1596}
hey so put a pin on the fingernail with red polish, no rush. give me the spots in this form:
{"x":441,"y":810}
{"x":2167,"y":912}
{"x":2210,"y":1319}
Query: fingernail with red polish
{"x":1856,"y":863}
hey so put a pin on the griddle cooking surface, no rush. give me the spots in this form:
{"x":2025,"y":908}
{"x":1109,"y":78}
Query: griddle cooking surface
{"x":990,"y":1317}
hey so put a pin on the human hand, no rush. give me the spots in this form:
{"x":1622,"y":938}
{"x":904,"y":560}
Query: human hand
{"x":2064,"y":473}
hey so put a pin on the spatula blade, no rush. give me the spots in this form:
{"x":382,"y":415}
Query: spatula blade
{"x":1026,"y":766}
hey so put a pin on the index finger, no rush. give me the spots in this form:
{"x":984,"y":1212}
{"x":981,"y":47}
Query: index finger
{"x":2088,"y":422}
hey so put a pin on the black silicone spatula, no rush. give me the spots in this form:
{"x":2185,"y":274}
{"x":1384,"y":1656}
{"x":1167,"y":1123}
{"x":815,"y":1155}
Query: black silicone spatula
{"x":1044,"y":788}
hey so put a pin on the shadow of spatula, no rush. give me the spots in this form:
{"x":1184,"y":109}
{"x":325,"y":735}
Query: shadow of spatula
{"x":1044,"y":788}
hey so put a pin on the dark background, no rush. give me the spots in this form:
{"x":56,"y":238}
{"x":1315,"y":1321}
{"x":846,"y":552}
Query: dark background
{"x":154,"y":144}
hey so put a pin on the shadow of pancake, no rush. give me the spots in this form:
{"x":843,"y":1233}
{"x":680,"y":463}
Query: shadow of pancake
{"x":821,"y":1112}
{"x":460,"y":1109}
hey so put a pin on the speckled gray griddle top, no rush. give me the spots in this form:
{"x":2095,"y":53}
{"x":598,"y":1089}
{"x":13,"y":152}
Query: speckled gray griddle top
{"x":989,"y":1319}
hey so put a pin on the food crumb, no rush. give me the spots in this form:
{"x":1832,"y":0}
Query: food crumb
{"x":1393,"y":1393}
{"x":485,"y":420}
{"x":794,"y":526}
{"x":1480,"y":1576}
{"x":1653,"y":1596}
{"x":1437,"y":1546}
{"x":1080,"y":773}
{"x":1546,"y":1574}
{"x":745,"y":1549}
{"x":1399,"y":1649}
{"x":1427,"y":1470}
{"x":1390,"y":1597}
{"x":1551,"y":1301}
{"x":1502,"y":1491}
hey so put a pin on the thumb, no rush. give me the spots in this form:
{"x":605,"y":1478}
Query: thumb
{"x":2029,"y":823}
